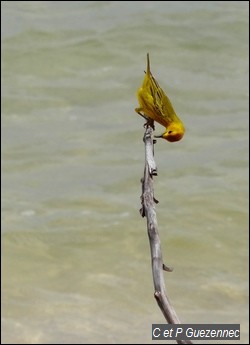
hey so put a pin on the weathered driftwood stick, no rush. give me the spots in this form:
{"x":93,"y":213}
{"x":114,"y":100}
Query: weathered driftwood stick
{"x":148,"y":209}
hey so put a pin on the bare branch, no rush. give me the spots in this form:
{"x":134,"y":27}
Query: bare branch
{"x":148,"y":209}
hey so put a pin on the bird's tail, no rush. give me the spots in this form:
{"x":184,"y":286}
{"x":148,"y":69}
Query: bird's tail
{"x":148,"y":65}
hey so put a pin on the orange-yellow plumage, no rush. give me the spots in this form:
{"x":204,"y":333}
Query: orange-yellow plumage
{"x":155,"y":105}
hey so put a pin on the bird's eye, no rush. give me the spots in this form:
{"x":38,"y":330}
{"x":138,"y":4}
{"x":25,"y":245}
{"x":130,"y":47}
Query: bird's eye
{"x":169,"y":132}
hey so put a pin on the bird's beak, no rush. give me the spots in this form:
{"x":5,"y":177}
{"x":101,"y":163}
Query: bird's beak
{"x":158,"y":136}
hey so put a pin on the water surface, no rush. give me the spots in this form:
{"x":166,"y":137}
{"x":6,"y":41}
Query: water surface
{"x":76,"y":262}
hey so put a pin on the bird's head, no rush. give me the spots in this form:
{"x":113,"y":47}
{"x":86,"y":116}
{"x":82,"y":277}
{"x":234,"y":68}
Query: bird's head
{"x":174,"y":132}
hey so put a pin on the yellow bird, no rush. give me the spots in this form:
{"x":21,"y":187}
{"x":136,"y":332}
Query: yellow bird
{"x":155,"y":105}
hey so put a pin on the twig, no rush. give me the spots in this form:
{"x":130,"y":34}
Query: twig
{"x":148,"y":210}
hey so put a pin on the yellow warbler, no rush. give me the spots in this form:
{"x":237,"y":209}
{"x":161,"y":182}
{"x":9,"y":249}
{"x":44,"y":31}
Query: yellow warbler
{"x":155,"y":105}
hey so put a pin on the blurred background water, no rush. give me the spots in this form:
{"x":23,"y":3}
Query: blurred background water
{"x":75,"y":252}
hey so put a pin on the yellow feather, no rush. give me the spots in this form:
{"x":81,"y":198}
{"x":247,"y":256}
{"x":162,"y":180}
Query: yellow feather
{"x":155,"y":105}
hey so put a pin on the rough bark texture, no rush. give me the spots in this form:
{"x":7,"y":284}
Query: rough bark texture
{"x":148,"y":210}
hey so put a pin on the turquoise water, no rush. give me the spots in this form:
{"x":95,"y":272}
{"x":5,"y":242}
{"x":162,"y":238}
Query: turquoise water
{"x":75,"y":252}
